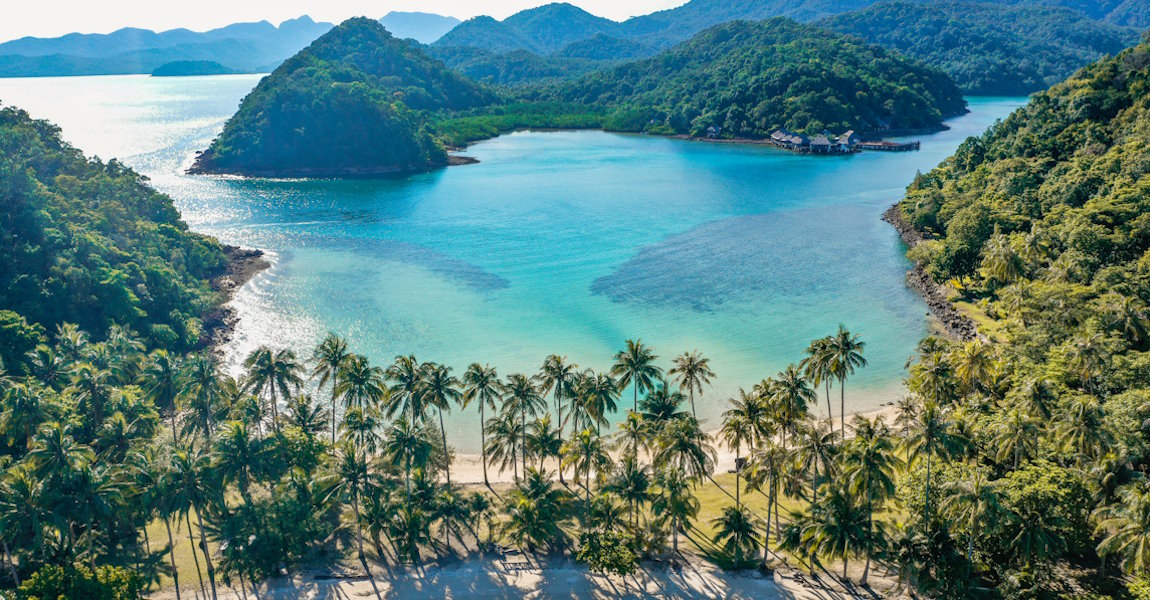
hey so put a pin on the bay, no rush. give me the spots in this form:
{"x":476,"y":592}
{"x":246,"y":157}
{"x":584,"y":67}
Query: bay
{"x":556,"y":242}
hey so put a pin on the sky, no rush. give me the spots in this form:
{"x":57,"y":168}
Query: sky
{"x":50,"y":18}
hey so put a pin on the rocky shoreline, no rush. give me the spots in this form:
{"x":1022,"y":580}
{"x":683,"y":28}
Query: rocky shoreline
{"x":243,"y":265}
{"x":937,"y":297}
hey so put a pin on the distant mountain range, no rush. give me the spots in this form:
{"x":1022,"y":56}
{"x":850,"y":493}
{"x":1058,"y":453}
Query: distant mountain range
{"x":242,"y":47}
{"x":557,"y":41}
{"x":987,"y":46}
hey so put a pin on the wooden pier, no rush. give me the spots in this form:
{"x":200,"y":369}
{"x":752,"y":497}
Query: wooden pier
{"x":885,"y":146}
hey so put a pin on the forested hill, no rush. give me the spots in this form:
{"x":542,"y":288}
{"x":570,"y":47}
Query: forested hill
{"x":89,"y":243}
{"x":989,"y":48}
{"x":1043,"y":224}
{"x":751,"y":78}
{"x":352,"y":103}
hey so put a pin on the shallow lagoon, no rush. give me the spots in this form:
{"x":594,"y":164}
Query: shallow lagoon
{"x":556,"y":242}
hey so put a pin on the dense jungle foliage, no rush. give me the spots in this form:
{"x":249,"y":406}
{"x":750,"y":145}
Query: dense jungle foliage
{"x":88,"y":242}
{"x":1042,"y":222}
{"x":989,"y":49}
{"x":751,"y":78}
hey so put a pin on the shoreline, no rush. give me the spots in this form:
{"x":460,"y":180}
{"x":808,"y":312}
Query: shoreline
{"x":243,"y":265}
{"x":467,"y":468}
{"x":936,"y":295}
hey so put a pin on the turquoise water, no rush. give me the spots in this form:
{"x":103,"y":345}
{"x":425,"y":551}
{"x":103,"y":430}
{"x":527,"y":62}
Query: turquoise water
{"x":556,"y":242}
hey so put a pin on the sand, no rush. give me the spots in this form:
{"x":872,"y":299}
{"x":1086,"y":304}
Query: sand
{"x":485,"y":577}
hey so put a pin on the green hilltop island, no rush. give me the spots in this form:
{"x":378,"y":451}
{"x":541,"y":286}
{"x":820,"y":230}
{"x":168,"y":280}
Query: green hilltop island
{"x":359,"y":102}
{"x":352,"y":103}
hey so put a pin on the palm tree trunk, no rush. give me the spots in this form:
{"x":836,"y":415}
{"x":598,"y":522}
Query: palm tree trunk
{"x":192,"y":543}
{"x":844,"y":567}
{"x":635,"y":389}
{"x":830,"y":413}
{"x":559,"y":408}
{"x":358,"y":529}
{"x":207,"y":553}
{"x":275,"y":411}
{"x":446,"y":454}
{"x":523,"y":439}
{"x":483,"y":443}
{"x":172,"y":556}
{"x":843,"y":408}
{"x":587,"y":488}
{"x":11,"y":565}
{"x":926,"y":498}
{"x":691,"y":395}
{"x":333,"y":413}
{"x":738,"y":474}
{"x":869,"y":532}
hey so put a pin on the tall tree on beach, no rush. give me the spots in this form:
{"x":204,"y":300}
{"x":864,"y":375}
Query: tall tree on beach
{"x":692,"y":370}
{"x":441,"y":389}
{"x":522,"y":398}
{"x":636,"y":364}
{"x":847,"y":350}
{"x":272,"y":372}
{"x":327,"y":359}
{"x":405,"y":376}
{"x":558,"y":377}
{"x":818,"y":365}
{"x":870,"y":463}
{"x":481,"y":386}
{"x":359,"y":384}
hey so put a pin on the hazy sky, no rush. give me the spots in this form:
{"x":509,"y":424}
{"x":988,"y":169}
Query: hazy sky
{"x":48,"y":18}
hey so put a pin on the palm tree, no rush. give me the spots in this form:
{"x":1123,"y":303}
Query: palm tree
{"x":837,"y":527}
{"x":204,"y":389}
{"x":502,"y":433}
{"x":237,"y":454}
{"x":973,"y":364}
{"x":542,"y":439}
{"x":48,"y":366}
{"x":869,"y":467}
{"x":1015,"y":436}
{"x":792,"y":394}
{"x":815,"y":447}
{"x":674,"y":501}
{"x":25,"y":409}
{"x":360,"y":427}
{"x":1126,"y":527}
{"x":692,"y":371}
{"x":481,"y":385}
{"x":91,"y":386}
{"x":1129,"y":316}
{"x":847,"y":351}
{"x":358,"y":384}
{"x":522,"y":398}
{"x":636,"y":365}
{"x":685,"y":447}
{"x":440,"y":389}
{"x":735,"y":532}
{"x":161,"y":383}
{"x":191,"y":476}
{"x":453,"y":513}
{"x":969,"y":502}
{"x":327,"y":359}
{"x":737,"y":431}
{"x":405,"y":376}
{"x":1081,"y":427}
{"x":765,"y":470}
{"x":349,"y":482}
{"x":558,"y":376}
{"x":818,"y":366}
{"x":930,"y":437}
{"x":276,"y":373}
{"x":407,"y":445}
{"x":598,"y":394}
{"x":305,"y":414}
{"x":585,"y":453}
{"x":632,"y":483}
{"x":535,"y":513}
